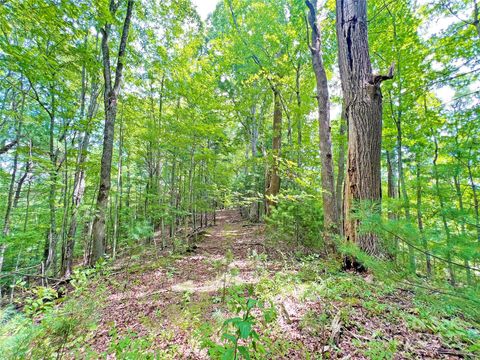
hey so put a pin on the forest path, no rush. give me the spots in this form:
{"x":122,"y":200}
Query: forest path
{"x":161,"y":301}
{"x":159,"y":297}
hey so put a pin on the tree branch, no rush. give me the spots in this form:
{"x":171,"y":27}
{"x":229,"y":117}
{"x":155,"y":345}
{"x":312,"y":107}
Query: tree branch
{"x":378,"y":79}
{"x":122,"y":47}
{"x":7,"y":147}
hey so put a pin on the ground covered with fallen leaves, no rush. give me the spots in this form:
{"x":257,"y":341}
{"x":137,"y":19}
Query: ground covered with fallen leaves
{"x":165,"y":300}
{"x":156,"y":304}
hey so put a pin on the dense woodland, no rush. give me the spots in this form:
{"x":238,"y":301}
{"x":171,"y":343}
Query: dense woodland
{"x":340,"y":134}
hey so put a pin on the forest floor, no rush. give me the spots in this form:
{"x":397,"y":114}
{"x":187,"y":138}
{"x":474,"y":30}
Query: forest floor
{"x":170,"y":304}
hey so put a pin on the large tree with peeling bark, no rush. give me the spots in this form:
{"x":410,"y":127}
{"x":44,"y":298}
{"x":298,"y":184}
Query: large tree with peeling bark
{"x":363,"y":107}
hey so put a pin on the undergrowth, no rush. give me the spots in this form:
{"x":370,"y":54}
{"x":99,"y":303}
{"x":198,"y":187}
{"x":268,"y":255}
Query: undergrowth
{"x":248,"y":321}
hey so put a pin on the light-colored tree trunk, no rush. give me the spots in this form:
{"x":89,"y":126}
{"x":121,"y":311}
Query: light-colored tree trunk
{"x":420,"y":219}
{"x":476,"y":202}
{"x":330,"y":211}
{"x":79,"y":184}
{"x":458,"y":192}
{"x":446,"y":227}
{"x":8,"y":211}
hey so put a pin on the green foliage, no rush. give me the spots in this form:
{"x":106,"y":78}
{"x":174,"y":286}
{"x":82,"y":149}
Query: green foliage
{"x":130,"y":346}
{"x":381,"y":350}
{"x":81,"y":278}
{"x":297,"y":220}
{"x":55,"y":333}
{"x":140,"y":231}
{"x":41,"y":299}
{"x":239,"y":337}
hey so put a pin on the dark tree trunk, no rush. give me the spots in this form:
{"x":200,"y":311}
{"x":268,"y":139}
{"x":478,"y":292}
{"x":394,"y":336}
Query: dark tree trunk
{"x":363,"y":106}
{"x":110,"y":104}
{"x":341,"y":165}
{"x":24,"y":177}
{"x":274,"y":176}
{"x":7,"y":147}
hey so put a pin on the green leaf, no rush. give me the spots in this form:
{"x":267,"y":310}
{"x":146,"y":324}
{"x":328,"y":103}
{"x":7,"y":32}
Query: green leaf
{"x":244,"y":352}
{"x":244,"y":327}
{"x":229,"y":354}
{"x":230,"y":337}
{"x":251,"y":303}
{"x":233,"y":321}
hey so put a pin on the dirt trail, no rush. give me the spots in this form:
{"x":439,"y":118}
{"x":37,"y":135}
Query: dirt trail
{"x":165,"y":299}
{"x":149,"y":299}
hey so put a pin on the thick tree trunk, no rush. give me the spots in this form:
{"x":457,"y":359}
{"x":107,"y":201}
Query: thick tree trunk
{"x":110,"y":104}
{"x":341,"y":166}
{"x":274,"y":177}
{"x":118,"y":194}
{"x":363,"y":102}
{"x":328,"y":183}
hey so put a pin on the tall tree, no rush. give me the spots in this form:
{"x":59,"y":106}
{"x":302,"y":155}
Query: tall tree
{"x":363,"y":106}
{"x":326,"y":158}
{"x":110,"y":104}
{"x":274,"y":176}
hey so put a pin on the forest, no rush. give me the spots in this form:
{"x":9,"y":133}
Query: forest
{"x":239,"y":179}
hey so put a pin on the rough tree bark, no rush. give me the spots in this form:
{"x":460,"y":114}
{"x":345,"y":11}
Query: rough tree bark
{"x":363,"y":106}
{"x":341,"y":166}
{"x":328,"y":183}
{"x":110,"y":104}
